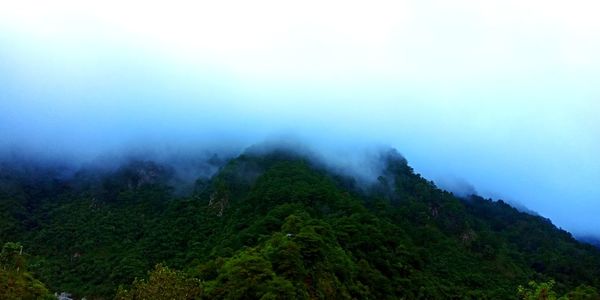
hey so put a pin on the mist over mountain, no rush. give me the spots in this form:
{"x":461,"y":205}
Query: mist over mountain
{"x":188,"y":139}
{"x":275,"y":220}
{"x":514,"y":123}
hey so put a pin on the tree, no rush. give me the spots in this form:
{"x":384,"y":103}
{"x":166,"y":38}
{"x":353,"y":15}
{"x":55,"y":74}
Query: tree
{"x":543,"y":291}
{"x":537,"y":291}
{"x":11,"y":257}
{"x":15,"y":282}
{"x":163,"y":283}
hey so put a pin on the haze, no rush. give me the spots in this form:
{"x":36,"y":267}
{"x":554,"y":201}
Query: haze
{"x":502,"y":96}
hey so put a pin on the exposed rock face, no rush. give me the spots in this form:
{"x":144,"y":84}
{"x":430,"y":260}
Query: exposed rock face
{"x":218,"y":202}
{"x":64,"y":296}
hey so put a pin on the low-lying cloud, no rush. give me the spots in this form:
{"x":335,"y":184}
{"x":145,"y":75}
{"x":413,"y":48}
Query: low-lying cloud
{"x":503,"y":96}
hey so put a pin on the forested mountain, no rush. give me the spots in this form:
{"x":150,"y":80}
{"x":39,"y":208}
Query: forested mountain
{"x":275,"y":225}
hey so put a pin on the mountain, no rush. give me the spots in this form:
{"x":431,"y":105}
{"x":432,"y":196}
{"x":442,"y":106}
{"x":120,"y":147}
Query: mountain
{"x":281,"y":225}
{"x":592,"y":240}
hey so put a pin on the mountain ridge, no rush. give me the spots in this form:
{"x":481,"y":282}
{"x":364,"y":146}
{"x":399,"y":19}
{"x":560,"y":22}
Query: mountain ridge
{"x":400,"y":237}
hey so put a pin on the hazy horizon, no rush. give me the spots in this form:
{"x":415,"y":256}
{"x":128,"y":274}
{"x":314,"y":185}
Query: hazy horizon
{"x":502,"y":96}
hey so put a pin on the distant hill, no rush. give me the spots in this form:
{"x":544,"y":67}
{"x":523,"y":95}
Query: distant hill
{"x":280,"y":225}
{"x":595,"y":241}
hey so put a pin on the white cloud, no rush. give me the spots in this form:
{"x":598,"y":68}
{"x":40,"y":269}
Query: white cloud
{"x":502,"y":93}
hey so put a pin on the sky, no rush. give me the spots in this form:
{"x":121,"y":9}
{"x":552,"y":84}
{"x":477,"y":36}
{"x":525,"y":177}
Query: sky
{"x":503,"y":96}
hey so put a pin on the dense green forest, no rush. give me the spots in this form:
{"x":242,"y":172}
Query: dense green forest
{"x":275,"y":225}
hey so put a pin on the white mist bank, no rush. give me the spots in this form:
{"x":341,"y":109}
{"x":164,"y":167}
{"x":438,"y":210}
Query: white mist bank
{"x":502,"y":95}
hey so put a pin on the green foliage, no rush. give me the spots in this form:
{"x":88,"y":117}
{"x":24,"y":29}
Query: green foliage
{"x":15,"y":281}
{"x":544,"y":291}
{"x":248,"y":275}
{"x":11,"y":257}
{"x":275,"y":226}
{"x":538,"y":291}
{"x":583,"y":292}
{"x":163,"y":283}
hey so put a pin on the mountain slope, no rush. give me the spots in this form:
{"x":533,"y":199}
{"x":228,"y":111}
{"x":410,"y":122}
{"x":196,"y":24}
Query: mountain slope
{"x":279,"y":225}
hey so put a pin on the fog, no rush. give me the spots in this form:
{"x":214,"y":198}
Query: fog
{"x":498,"y":97}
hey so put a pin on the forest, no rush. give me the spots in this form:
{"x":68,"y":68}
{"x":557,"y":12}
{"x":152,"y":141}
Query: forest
{"x":275,"y":225}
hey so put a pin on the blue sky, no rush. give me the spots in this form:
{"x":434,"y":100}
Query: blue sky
{"x":503,"y":95}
